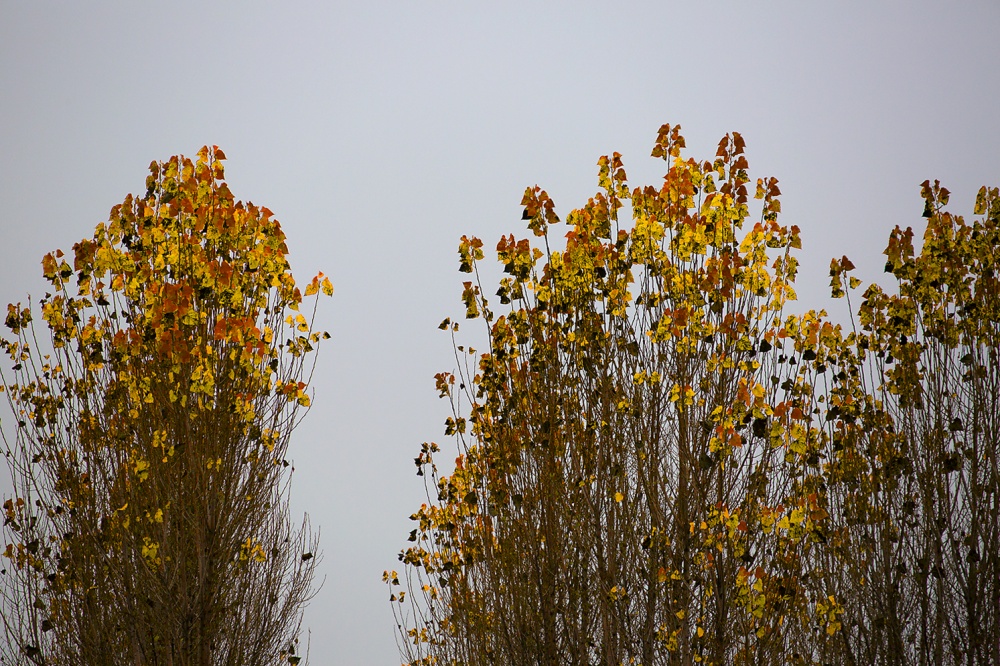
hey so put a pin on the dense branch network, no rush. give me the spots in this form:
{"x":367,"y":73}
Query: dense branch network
{"x":659,"y":464}
{"x":149,"y":522}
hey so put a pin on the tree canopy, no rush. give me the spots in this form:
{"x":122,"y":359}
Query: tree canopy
{"x":149,"y":522}
{"x":661,"y":462}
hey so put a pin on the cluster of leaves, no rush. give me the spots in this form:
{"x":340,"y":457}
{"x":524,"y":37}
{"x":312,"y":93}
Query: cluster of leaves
{"x":659,"y":464}
{"x":149,"y":522}
{"x":918,"y":483}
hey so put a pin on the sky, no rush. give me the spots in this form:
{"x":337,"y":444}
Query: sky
{"x":381,"y":131}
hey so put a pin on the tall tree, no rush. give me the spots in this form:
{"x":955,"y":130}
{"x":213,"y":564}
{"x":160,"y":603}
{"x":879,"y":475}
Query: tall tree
{"x":917,"y":485}
{"x":659,"y":465}
{"x":637,"y":481}
{"x":149,"y":522}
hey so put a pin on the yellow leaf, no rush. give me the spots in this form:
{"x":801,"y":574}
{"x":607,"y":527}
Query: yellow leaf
{"x":141,"y":469}
{"x":619,"y":497}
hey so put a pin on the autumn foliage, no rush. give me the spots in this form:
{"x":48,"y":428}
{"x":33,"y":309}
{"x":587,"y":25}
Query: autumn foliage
{"x":149,"y":522}
{"x":662,"y":462}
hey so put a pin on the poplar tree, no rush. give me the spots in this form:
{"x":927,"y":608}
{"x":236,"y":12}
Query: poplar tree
{"x":152,"y":411}
{"x":634,"y":483}
{"x":660,"y":462}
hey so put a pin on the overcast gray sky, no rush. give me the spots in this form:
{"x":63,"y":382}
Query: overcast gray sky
{"x":381,"y":131}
